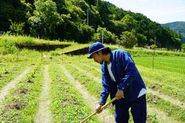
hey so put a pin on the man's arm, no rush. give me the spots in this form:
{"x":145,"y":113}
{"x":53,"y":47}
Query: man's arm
{"x":105,"y":92}
{"x":106,"y":89}
{"x":130,"y":71}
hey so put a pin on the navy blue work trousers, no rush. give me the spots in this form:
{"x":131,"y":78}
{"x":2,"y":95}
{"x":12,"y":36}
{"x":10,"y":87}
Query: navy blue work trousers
{"x":138,"y":110}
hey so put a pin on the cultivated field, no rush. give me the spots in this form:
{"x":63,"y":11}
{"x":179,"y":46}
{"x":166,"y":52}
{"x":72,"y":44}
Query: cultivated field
{"x":48,"y":87}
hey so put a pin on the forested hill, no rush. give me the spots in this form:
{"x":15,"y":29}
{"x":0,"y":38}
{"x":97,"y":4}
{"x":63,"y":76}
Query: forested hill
{"x":67,"y":19}
{"x":178,"y":26}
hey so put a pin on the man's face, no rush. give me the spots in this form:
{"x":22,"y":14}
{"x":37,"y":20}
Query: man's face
{"x":98,"y":57}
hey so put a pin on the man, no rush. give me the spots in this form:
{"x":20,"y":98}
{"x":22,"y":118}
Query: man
{"x":120,"y":78}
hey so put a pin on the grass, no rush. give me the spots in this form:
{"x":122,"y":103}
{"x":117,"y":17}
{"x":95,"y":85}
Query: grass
{"x":22,"y":102}
{"x":168,"y":83}
{"x":8,"y":44}
{"x":67,"y":105}
{"x":91,"y":85}
{"x":175,"y":64}
{"x":25,"y":40}
{"x":172,"y":110}
{"x":142,"y":52}
{"x":10,"y":71}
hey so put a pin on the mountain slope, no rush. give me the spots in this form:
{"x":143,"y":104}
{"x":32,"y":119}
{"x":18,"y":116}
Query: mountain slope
{"x":178,"y":26}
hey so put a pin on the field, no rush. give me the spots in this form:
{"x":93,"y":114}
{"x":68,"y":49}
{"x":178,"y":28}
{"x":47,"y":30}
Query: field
{"x":48,"y":87}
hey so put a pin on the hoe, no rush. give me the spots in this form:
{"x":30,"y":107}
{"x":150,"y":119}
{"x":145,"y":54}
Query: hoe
{"x":103,"y":107}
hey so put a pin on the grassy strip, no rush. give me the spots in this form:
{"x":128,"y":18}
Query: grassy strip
{"x":68,"y":105}
{"x":172,"y":85}
{"x":167,"y":77}
{"x":165,"y":63}
{"x":90,"y":70}
{"x":172,"y":110}
{"x":24,"y":40}
{"x":165,"y":89}
{"x":5,"y":67}
{"x":22,"y":102}
{"x":157,"y":53}
{"x":177,"y":65}
{"x":139,"y":51}
{"x":91,"y":85}
{"x":11,"y":72}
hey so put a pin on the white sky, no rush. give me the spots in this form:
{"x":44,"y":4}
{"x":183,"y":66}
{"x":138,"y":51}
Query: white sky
{"x":160,"y":11}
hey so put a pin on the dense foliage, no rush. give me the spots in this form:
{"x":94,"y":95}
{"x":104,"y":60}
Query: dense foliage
{"x":83,"y":21}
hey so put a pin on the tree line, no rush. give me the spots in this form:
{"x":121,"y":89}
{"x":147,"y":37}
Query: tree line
{"x":83,"y":21}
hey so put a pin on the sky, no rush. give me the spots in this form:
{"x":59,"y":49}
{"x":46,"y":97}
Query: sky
{"x":160,"y":11}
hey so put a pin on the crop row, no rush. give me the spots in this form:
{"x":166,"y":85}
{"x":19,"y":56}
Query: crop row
{"x":22,"y":102}
{"x":164,"y":82}
{"x":67,"y":104}
{"x":9,"y":72}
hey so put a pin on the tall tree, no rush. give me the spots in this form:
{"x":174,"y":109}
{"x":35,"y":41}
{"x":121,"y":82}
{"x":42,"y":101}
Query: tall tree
{"x":128,"y":39}
{"x":45,"y":18}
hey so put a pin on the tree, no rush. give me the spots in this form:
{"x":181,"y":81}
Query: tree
{"x":109,"y":37}
{"x":129,"y":22}
{"x":183,"y":47}
{"x":85,"y":33}
{"x":141,"y":40}
{"x":17,"y":28}
{"x":117,"y":27}
{"x":45,"y":18}
{"x":128,"y":39}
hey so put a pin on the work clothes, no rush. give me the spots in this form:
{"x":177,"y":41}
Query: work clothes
{"x":126,"y":74}
{"x":138,"y":110}
{"x":128,"y":79}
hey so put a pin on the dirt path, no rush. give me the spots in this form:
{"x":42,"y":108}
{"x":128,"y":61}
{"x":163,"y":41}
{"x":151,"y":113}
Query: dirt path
{"x":43,"y":114}
{"x":5,"y":90}
{"x":161,"y":116}
{"x":105,"y":116}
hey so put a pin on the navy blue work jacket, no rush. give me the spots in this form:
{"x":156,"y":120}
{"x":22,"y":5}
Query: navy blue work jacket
{"x":126,"y":75}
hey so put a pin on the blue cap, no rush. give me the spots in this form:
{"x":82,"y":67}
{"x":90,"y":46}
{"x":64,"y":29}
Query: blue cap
{"x":95,"y":47}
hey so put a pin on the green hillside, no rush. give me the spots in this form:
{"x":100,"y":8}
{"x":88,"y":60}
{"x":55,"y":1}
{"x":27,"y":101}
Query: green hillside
{"x":83,"y":21}
{"x":177,"y":27}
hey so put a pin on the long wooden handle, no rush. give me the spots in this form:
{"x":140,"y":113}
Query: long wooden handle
{"x":103,"y":107}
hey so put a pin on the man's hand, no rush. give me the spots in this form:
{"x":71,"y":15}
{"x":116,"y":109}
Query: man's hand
{"x":119,"y":94}
{"x":98,"y":109}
